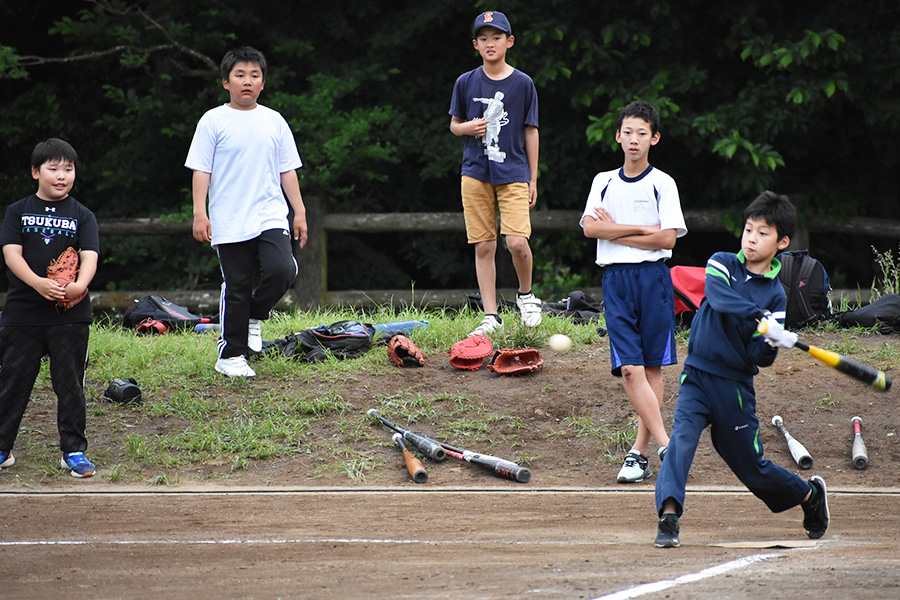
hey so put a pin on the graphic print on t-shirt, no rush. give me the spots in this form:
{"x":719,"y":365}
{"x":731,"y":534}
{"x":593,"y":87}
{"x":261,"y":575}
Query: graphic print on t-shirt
{"x":496,"y":116}
{"x":49,"y":225}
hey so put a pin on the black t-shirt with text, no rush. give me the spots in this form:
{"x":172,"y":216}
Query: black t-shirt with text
{"x":45,"y":229}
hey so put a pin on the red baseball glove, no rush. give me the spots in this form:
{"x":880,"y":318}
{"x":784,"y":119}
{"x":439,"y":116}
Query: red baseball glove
{"x":404,"y":353}
{"x":469,"y":354}
{"x":516,"y":361}
{"x":64,"y":270}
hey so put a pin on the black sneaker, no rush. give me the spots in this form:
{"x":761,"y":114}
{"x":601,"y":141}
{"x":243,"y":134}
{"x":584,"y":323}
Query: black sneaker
{"x":815,"y":511}
{"x":667,"y":536}
{"x":662,"y":453}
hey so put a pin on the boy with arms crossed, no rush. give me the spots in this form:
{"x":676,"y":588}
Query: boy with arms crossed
{"x":36,"y":230}
{"x":635,"y":215}
{"x":724,"y":353}
{"x":496,"y":107}
{"x":243,"y":155}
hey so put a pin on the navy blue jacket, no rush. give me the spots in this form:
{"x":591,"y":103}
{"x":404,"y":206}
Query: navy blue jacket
{"x":724,"y":340}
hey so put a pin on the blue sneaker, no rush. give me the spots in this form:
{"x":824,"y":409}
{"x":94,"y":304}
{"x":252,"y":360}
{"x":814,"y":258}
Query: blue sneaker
{"x":81,"y":466}
{"x":6,"y":459}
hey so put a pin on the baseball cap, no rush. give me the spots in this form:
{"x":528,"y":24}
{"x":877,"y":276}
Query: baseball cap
{"x":494,"y":19}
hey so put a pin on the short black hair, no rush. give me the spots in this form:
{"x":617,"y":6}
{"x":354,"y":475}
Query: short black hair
{"x":53,"y":149}
{"x":776,"y":210}
{"x":641,"y":110}
{"x":242,"y":54}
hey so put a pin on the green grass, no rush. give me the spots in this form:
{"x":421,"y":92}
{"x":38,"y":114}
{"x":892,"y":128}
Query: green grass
{"x":611,"y":439}
{"x":195,"y":424}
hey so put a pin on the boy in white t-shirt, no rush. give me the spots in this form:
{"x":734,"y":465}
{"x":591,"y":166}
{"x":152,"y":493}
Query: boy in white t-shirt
{"x":244,"y":158}
{"x":635,"y":215}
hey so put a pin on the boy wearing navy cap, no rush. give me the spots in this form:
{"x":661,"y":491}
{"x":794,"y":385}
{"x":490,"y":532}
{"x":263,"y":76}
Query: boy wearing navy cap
{"x":496,"y":107}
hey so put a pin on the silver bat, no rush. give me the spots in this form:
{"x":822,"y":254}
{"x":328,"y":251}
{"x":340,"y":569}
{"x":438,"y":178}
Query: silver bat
{"x":858,"y":453}
{"x":798,"y":451}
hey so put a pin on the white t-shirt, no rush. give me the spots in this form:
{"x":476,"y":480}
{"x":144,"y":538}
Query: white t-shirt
{"x":648,"y":199}
{"x":245,"y":151}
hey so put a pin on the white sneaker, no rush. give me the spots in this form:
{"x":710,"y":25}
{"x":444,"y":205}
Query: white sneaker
{"x":489,"y":324}
{"x":254,"y":335}
{"x":634,"y":469}
{"x":530,"y":308}
{"x":235,"y":366}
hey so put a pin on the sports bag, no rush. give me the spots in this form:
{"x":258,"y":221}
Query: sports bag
{"x":884,"y":313}
{"x":689,"y":284}
{"x":807,"y":287}
{"x":341,"y":340}
{"x":155,"y":314}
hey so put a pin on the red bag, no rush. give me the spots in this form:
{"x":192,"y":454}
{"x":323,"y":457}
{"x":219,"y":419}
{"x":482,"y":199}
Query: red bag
{"x":689,"y":284}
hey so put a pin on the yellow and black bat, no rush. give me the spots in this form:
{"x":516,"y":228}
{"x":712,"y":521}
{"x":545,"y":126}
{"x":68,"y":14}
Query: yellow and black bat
{"x":876,"y":378}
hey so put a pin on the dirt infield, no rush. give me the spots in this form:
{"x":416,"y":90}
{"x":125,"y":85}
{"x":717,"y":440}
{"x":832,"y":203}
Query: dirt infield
{"x":279,"y":529}
{"x":447,"y":544}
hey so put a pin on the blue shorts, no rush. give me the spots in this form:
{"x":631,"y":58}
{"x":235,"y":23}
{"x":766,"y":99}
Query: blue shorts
{"x":639,"y":305}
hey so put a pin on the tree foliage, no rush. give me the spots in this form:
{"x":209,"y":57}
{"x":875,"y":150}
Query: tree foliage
{"x":753,"y":95}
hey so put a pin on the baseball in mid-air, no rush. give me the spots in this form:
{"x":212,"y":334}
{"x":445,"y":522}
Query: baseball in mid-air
{"x":560,"y":343}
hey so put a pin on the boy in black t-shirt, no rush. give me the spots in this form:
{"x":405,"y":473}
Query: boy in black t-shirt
{"x":36,"y":230}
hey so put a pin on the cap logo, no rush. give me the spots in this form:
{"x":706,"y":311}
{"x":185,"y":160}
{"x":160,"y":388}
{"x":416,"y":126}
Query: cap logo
{"x":488,"y":17}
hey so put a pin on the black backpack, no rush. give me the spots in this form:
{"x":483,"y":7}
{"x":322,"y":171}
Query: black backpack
{"x":158,"y":309}
{"x":342,"y":340}
{"x":883,"y":312}
{"x":807,"y":287}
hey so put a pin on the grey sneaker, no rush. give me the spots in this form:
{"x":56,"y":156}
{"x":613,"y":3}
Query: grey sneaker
{"x":634,"y":469}
{"x":489,"y":324}
{"x":667,"y":532}
{"x":815,"y":512}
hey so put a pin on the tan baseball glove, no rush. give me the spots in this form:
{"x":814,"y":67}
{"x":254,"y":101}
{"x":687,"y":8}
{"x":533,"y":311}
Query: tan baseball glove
{"x":64,"y":270}
{"x":516,"y":361}
{"x":404,"y":353}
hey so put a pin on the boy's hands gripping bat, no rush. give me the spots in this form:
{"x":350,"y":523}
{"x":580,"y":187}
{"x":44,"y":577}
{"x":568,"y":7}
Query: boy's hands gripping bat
{"x":426,"y":445}
{"x":413,"y":465}
{"x":858,"y":453}
{"x":879,"y":380}
{"x":798,"y":451}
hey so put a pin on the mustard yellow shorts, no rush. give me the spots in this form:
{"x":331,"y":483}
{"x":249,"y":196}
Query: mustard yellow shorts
{"x":480,"y":202}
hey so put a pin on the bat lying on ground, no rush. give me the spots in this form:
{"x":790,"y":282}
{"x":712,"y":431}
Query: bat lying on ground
{"x":500,"y":466}
{"x":413,"y":465}
{"x":798,"y":451}
{"x":426,"y":445}
{"x":858,"y":453}
{"x":878,"y":379}
{"x":434,"y":449}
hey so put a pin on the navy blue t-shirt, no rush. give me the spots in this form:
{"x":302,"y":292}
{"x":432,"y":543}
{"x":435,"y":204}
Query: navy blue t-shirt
{"x":508,"y":105}
{"x":45,"y":229}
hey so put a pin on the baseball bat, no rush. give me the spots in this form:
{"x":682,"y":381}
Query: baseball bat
{"x":798,"y":451}
{"x":426,"y":445}
{"x":858,"y":453}
{"x":413,"y":464}
{"x":502,"y":467}
{"x":876,"y":378}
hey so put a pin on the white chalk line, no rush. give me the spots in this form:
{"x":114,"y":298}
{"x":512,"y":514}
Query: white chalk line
{"x":287,"y":541}
{"x":658,"y":586}
{"x":714,"y":571}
